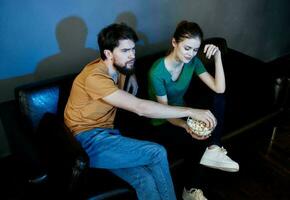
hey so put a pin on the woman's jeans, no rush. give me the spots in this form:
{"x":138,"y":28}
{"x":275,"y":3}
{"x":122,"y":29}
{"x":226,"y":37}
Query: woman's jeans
{"x":177,"y":141}
{"x":142,"y":164}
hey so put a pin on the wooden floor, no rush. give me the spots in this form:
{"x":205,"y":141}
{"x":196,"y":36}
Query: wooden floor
{"x":264,"y":166}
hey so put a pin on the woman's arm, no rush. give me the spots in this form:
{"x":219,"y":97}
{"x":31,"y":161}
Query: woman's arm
{"x":216,"y":83}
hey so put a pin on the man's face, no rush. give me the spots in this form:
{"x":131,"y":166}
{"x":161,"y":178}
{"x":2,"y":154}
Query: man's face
{"x":124,"y":56}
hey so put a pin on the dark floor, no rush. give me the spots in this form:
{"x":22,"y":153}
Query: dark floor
{"x":264,"y":166}
{"x":264,"y":169}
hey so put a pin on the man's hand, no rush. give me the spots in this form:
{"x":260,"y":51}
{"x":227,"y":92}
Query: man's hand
{"x":204,"y":115}
{"x":195,"y":136}
{"x":132,"y":83}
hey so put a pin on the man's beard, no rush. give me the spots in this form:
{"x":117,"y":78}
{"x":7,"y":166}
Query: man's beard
{"x":125,"y":70}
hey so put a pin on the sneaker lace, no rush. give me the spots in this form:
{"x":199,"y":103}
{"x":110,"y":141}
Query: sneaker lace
{"x":197,"y":193}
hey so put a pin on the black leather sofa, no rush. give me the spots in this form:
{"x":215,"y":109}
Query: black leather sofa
{"x":55,"y":166}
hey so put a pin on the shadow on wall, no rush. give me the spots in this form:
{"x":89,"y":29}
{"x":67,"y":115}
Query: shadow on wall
{"x":71,"y":34}
{"x":143,"y":46}
{"x":130,"y":19}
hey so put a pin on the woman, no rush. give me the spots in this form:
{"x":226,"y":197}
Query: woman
{"x":169,"y":79}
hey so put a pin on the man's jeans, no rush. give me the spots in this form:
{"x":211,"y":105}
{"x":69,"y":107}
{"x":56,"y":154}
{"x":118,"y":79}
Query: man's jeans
{"x":142,"y":164}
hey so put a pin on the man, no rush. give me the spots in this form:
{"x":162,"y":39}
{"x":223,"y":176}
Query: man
{"x":90,"y":111}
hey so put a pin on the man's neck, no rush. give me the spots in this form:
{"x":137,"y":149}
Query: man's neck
{"x":112,"y":70}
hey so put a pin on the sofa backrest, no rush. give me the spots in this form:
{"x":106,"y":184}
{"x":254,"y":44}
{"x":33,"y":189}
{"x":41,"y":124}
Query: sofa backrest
{"x":36,"y":99}
{"x":144,"y":64}
{"x":50,"y":96}
{"x":249,"y":90}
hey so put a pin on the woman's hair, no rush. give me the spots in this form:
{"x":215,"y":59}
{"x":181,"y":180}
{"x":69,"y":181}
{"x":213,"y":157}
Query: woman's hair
{"x":110,"y":36}
{"x":187,"y":29}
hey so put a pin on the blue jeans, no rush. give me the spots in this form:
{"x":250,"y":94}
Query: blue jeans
{"x":142,"y":164}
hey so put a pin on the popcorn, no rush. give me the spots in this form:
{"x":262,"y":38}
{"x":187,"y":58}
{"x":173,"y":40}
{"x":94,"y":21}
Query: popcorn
{"x":199,"y":127}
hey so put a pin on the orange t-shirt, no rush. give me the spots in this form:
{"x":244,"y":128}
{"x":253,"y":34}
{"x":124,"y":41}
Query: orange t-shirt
{"x":85,"y":108}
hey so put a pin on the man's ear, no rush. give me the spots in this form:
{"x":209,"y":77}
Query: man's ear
{"x":108,"y":54}
{"x":173,"y":42}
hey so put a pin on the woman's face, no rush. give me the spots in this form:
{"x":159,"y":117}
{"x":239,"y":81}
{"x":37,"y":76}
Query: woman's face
{"x":186,"y":49}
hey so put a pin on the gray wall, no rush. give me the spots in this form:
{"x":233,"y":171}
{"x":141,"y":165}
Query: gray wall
{"x":43,"y":39}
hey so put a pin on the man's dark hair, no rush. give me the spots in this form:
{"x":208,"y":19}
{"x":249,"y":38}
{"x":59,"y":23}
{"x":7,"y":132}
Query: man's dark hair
{"x":110,"y":36}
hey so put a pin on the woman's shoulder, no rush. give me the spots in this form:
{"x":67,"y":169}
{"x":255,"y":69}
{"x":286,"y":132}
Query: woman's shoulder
{"x":196,"y":61}
{"x":157,"y":65}
{"x":158,"y":62}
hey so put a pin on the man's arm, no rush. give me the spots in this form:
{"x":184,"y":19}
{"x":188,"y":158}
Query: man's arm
{"x":179,"y":122}
{"x":151,"y":109}
{"x":174,"y":121}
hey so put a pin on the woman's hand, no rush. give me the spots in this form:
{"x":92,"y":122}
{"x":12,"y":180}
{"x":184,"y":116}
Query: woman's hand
{"x":212,"y":50}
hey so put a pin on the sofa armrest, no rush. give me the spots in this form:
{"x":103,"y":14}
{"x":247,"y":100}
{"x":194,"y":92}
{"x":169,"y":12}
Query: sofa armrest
{"x":63,"y":156}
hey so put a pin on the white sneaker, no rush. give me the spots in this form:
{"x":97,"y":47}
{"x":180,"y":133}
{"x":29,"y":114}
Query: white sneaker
{"x":193,"y":194}
{"x":216,"y":157}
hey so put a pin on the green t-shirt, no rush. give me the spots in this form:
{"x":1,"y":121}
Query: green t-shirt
{"x":160,"y":83}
